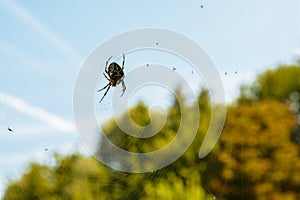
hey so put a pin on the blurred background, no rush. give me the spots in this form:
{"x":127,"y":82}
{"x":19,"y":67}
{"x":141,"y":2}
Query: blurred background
{"x":255,"y":46}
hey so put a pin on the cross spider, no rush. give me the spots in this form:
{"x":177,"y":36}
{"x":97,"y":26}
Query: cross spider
{"x":115,"y":75}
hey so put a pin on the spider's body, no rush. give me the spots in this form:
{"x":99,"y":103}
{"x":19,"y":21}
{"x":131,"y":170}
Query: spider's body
{"x":115,"y":75}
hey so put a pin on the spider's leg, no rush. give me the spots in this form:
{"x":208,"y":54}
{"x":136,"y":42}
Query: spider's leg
{"x":104,"y":94}
{"x":123,"y":88}
{"x":123,"y":61}
{"x":107,"y":64}
{"x":107,"y":61}
{"x":105,"y":76}
{"x":103,"y":87}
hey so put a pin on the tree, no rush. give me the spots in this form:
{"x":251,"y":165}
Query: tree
{"x":79,"y":177}
{"x":73,"y":177}
{"x":282,"y":83}
{"x":32,"y":185}
{"x":179,"y":180}
{"x":258,"y":157}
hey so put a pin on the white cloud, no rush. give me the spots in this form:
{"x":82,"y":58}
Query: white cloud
{"x":24,"y":15}
{"x":41,"y":114}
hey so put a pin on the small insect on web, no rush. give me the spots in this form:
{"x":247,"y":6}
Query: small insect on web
{"x":9,"y":129}
{"x":115,"y":75}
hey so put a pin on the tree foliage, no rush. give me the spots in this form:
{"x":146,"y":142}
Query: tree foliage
{"x":79,"y":177}
{"x":73,"y":177}
{"x":259,"y":159}
{"x":279,"y":83}
{"x":256,"y":156}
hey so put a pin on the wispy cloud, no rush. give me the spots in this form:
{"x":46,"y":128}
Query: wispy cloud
{"x":41,"y":114}
{"x":31,"y":61}
{"x":27,"y":17}
{"x":13,"y":50}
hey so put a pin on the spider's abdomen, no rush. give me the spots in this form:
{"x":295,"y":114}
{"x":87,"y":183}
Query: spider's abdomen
{"x":115,"y":72}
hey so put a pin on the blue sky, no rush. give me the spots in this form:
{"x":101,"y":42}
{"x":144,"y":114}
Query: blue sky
{"x":44,"y":43}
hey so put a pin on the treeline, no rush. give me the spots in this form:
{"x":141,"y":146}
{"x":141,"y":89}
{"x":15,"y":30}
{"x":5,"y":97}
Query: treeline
{"x":256,"y":157}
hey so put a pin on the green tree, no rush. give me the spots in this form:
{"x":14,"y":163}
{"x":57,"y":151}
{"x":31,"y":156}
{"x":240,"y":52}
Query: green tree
{"x":179,"y":180}
{"x":79,"y":177}
{"x":255,"y":157}
{"x":282,"y":83}
{"x":34,"y":184}
{"x":73,"y":177}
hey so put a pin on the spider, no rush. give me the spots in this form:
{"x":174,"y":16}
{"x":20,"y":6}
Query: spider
{"x":115,"y":76}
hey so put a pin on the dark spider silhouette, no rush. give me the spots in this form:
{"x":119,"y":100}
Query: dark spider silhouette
{"x":115,"y":76}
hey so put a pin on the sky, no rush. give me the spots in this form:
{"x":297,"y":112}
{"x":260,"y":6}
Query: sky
{"x":43,"y":45}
